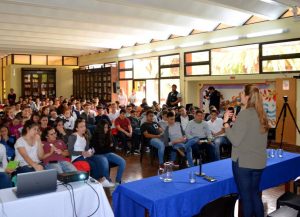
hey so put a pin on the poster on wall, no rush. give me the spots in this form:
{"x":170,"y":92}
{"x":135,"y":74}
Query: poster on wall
{"x":230,"y":96}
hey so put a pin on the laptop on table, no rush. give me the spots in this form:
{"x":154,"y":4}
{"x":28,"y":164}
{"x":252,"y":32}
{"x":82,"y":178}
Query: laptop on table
{"x":34,"y":183}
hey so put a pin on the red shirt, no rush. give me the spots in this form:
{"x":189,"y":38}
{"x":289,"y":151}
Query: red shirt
{"x":123,"y":123}
{"x":59,"y":144}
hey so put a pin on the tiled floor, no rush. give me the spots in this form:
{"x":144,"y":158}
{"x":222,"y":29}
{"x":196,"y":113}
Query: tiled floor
{"x":135,"y":170}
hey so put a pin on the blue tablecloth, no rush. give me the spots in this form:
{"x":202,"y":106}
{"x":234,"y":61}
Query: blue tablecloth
{"x":183,"y":199}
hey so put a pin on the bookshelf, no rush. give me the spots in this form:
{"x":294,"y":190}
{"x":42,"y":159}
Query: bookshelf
{"x":38,"y":82}
{"x":89,"y":83}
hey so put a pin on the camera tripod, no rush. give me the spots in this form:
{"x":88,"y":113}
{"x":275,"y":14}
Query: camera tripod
{"x":283,"y":111}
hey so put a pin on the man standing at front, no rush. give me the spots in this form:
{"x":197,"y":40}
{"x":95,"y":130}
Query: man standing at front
{"x":174,"y":97}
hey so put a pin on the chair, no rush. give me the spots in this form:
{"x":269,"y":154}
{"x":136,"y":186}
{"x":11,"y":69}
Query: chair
{"x":284,"y":211}
{"x":290,"y":199}
{"x":220,"y":207}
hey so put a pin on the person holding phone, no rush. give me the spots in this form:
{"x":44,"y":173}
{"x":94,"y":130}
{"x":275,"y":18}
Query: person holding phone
{"x":248,"y":136}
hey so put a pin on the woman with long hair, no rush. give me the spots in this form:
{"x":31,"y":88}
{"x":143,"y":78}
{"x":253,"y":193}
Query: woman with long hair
{"x":55,"y":152}
{"x":248,"y":136}
{"x":29,"y":150}
{"x":102,"y":143}
{"x":79,"y":149}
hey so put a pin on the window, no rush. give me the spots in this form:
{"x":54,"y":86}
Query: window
{"x":169,"y":65}
{"x":290,"y":47}
{"x":21,"y":59}
{"x":70,"y":61}
{"x":54,"y":60}
{"x":197,"y":63}
{"x":281,"y":57}
{"x":235,"y":60}
{"x":38,"y":60}
{"x":125,"y":69}
{"x":282,"y":65}
{"x":146,"y":68}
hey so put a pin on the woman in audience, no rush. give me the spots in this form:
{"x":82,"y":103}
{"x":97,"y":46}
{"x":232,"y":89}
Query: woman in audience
{"x":5,"y":181}
{"x":248,"y":136}
{"x":43,"y":123}
{"x":8,"y":142}
{"x":79,"y":149}
{"x":69,"y":119}
{"x":35,"y":117}
{"x":55,"y":152}
{"x":102,"y":143}
{"x":29,"y":150}
{"x":62,"y":134}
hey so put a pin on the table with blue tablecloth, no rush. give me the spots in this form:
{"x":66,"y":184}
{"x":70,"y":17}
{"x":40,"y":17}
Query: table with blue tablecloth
{"x":180,"y":198}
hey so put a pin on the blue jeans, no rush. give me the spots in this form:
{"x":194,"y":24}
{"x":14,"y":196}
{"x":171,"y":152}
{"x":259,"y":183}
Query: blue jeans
{"x":112,"y":158}
{"x":218,"y":142}
{"x":5,"y":181}
{"x":61,"y":167}
{"x":157,"y":143}
{"x":247,"y":181}
{"x":188,"y":150}
{"x":208,"y":147}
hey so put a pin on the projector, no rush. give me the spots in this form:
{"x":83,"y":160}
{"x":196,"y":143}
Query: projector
{"x":72,"y":176}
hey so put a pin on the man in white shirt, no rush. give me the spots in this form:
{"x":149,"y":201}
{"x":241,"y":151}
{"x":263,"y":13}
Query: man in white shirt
{"x":113,"y":114}
{"x":215,"y":125}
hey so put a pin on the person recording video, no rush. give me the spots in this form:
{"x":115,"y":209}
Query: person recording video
{"x":248,"y":136}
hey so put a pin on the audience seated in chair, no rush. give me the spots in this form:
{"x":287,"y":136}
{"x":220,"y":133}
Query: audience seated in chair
{"x":124,"y":130}
{"x":79,"y":149}
{"x":174,"y":136}
{"x":183,"y":118}
{"x":152,"y":133}
{"x":29,"y":150}
{"x":220,"y":140}
{"x":5,"y":181}
{"x":198,"y":131}
{"x":55,"y":153}
{"x":102,"y":143}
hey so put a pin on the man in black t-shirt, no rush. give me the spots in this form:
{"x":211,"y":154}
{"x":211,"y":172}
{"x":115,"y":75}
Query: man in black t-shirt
{"x":214,"y":98}
{"x":174,"y":97}
{"x":152,"y":133}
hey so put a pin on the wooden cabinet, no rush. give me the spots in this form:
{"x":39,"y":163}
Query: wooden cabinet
{"x":89,"y":83}
{"x":38,"y":82}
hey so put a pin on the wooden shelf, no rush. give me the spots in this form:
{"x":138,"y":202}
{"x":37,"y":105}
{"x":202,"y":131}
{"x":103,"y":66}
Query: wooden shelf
{"x":38,"y":82}
{"x":90,"y":83}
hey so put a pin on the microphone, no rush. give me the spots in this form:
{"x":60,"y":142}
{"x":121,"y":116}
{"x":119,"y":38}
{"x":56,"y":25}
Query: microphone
{"x":200,"y":168}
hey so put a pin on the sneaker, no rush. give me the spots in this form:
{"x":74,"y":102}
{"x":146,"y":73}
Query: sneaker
{"x":147,"y":150}
{"x":107,"y":184}
{"x":136,"y":152}
{"x":118,"y":148}
{"x":128,"y":152}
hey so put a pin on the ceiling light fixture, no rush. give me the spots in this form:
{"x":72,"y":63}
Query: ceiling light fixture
{"x":224,"y":39}
{"x":192,"y":44}
{"x":265,"y":33}
{"x":164,"y":48}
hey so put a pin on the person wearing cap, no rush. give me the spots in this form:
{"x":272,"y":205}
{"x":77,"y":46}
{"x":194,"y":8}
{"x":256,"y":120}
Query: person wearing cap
{"x":174,"y":97}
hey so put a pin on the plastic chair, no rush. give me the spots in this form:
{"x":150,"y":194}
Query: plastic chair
{"x":220,"y":207}
{"x":82,"y":166}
